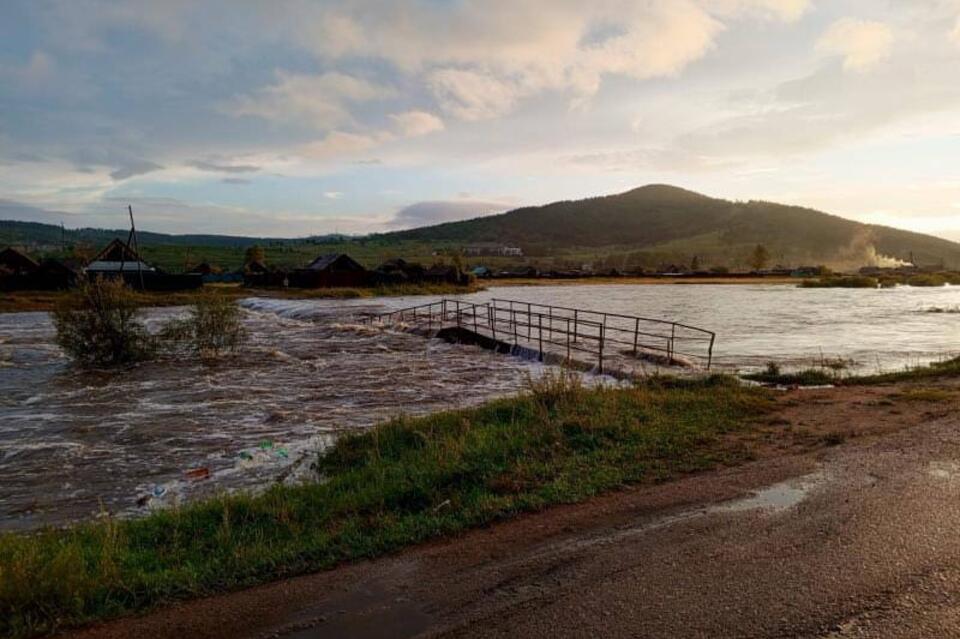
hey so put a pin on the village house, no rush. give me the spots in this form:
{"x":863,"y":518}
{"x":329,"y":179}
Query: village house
{"x":117,"y":257}
{"x":119,"y":260}
{"x":398,"y":271}
{"x":20,"y":272}
{"x":331,"y":271}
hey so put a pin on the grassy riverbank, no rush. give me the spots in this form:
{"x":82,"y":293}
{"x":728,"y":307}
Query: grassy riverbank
{"x":406,"y":481}
{"x":23,"y":301}
{"x":837,"y":376}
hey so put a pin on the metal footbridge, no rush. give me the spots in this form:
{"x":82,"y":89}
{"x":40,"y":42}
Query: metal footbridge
{"x":603,"y":341}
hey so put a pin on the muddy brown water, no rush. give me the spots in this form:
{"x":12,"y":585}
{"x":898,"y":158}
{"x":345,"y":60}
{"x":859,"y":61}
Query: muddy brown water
{"x":74,"y":444}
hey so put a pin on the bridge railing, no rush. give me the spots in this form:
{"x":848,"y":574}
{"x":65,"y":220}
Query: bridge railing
{"x":565,"y":330}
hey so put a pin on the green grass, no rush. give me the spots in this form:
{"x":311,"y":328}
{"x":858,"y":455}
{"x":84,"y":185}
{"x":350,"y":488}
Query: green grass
{"x":404,"y":482}
{"x":830,"y":373}
{"x":808,"y":377}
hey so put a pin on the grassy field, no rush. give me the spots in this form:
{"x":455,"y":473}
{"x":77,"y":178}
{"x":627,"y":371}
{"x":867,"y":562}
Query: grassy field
{"x":404,"y":482}
{"x":23,"y":301}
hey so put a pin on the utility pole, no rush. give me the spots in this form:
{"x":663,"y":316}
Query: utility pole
{"x":136,"y":243}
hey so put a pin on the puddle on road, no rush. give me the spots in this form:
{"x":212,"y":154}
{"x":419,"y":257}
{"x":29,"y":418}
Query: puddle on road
{"x":944,"y":469}
{"x":776,"y":497}
{"x":772,"y":499}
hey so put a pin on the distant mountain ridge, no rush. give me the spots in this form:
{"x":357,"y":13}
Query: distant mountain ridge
{"x":646,"y":225}
{"x":672,"y":220}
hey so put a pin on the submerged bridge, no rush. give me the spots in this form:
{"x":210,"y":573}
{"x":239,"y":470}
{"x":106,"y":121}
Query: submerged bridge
{"x":603,"y":341}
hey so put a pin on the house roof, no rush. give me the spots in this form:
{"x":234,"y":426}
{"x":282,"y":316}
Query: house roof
{"x":340,"y":260}
{"x":98,"y":266}
{"x":117,"y":251}
{"x":58,"y":266}
{"x":17,"y":261}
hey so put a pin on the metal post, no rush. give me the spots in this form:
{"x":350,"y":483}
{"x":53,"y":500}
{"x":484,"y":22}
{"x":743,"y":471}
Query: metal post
{"x":540,"y":332}
{"x":513,"y":320}
{"x":636,"y":337}
{"x":529,"y":320}
{"x":575,"y":325}
{"x":492,"y":313}
{"x":673,"y":336}
{"x":710,"y":351}
{"x":601,"y":350}
{"x":568,"y":339}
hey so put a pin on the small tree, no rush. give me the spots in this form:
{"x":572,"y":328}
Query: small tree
{"x":695,"y":264}
{"x":759,"y":258}
{"x":100,"y":324}
{"x":253,"y":254}
{"x":212,"y":328}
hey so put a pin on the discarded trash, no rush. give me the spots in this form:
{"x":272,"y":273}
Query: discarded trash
{"x":197,"y":474}
{"x":266,"y":445}
{"x":282,"y":452}
{"x":245,"y":455}
{"x":159,"y":491}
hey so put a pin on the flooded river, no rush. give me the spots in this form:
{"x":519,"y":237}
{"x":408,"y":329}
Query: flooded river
{"x":74,"y":443}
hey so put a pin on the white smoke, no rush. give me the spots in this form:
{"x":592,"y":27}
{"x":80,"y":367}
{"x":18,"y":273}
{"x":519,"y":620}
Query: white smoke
{"x":862,"y":252}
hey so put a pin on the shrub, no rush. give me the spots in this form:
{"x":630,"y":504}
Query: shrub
{"x":212,"y":328}
{"x":927,"y":279}
{"x":100,"y":325}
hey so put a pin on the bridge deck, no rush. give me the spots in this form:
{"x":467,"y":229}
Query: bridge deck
{"x":573,"y":333}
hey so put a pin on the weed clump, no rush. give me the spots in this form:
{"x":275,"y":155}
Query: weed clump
{"x":212,"y":328}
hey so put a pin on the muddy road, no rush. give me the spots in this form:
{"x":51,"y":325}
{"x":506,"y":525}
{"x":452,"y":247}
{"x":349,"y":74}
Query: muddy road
{"x":848,"y":527}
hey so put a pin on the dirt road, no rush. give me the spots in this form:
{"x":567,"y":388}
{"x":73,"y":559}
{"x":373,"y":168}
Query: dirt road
{"x":860,"y":539}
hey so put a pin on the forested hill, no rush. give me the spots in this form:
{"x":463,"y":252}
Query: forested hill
{"x":14,"y":232}
{"x":674,"y":220}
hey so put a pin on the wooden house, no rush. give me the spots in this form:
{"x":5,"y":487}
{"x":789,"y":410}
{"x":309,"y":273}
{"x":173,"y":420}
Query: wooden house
{"x":330,"y":271}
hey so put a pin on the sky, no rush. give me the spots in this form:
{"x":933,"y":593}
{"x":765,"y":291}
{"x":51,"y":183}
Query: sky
{"x":297,"y":117}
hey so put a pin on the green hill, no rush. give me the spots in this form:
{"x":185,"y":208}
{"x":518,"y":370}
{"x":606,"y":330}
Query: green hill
{"x":648,"y":226}
{"x":673,"y":223}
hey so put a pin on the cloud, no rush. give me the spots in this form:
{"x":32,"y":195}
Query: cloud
{"x":332,"y":195}
{"x":235,"y":181}
{"x":785,"y":10}
{"x":415,"y":123}
{"x":134,"y":168}
{"x":38,"y":70}
{"x":471,"y":95}
{"x":319,"y":101}
{"x":438,"y":212}
{"x":338,"y":144}
{"x":862,"y":44}
{"x":479,"y":59}
{"x":217,"y":167}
